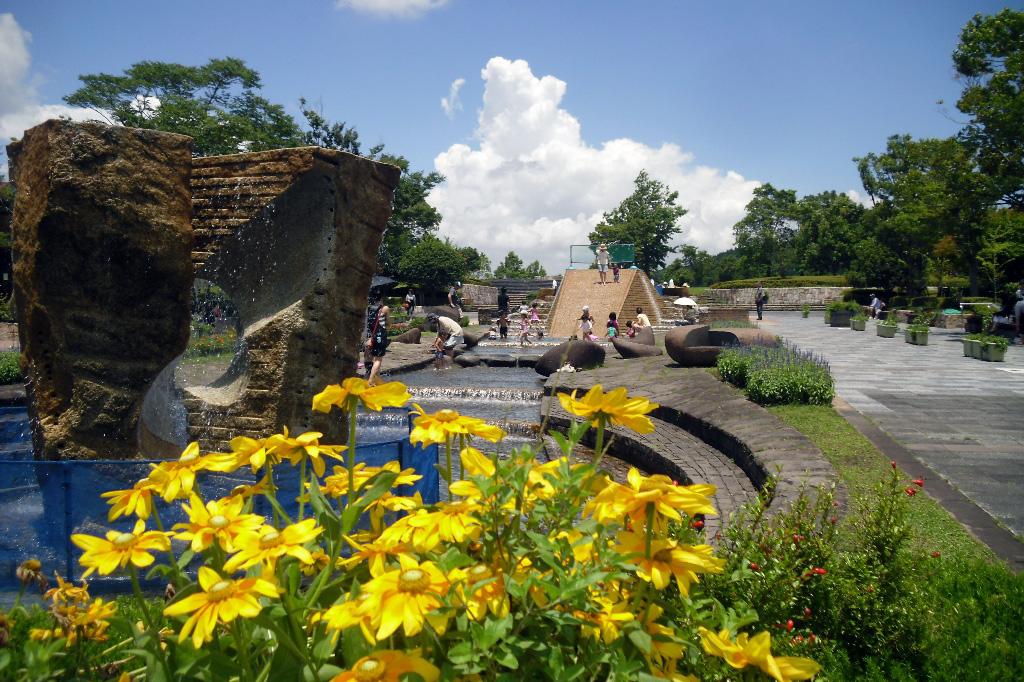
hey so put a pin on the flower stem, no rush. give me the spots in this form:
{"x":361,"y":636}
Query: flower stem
{"x":170,"y":553}
{"x":241,"y":648}
{"x":302,"y":482}
{"x":147,"y":618}
{"x":351,"y":451}
{"x":650,"y":530}
{"x":448,"y":464}
{"x":599,"y":440}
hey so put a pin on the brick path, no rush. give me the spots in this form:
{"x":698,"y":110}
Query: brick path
{"x":962,"y":418}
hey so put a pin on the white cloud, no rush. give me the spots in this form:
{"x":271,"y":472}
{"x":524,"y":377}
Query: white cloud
{"x":859,"y":198}
{"x":532,"y":184}
{"x":20,"y":107}
{"x":404,"y":9}
{"x":452,"y":103}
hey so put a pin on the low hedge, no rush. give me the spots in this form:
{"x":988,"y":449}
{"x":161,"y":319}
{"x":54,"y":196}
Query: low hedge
{"x":10,"y":369}
{"x":778,"y":375}
{"x":840,"y":306}
{"x":782,"y":282}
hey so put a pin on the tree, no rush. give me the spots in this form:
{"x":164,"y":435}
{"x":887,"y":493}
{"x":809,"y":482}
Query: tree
{"x":331,"y":135}
{"x":944,"y":254}
{"x":412,"y":218}
{"x":1002,"y":243}
{"x":477,"y":264}
{"x":535,"y":269}
{"x":432,"y":263}
{"x":990,"y":61}
{"x":216,"y":104}
{"x":510,"y":268}
{"x":764,"y":237}
{"x":829,"y":227}
{"x":691,"y":267}
{"x":647,"y":218}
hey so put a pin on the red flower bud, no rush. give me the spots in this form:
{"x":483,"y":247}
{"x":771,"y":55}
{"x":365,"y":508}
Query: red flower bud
{"x":819,"y":571}
{"x":811,"y":638}
{"x":935,"y":555}
{"x":807,"y":612}
{"x":870,"y":589}
{"x":754,"y":566}
{"x":910,"y":492}
{"x":797,"y":538}
{"x":698,"y":524}
{"x":833,"y":520}
{"x":789,"y":625}
{"x":892,"y":463}
{"x":799,"y":639}
{"x":919,"y":482}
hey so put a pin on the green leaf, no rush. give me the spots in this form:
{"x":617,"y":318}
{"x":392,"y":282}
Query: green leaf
{"x":462,"y":653}
{"x":507,"y":659}
{"x":640,"y":639}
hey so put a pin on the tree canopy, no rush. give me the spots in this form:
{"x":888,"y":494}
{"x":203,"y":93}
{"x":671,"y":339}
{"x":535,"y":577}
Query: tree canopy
{"x":432,"y":262}
{"x":764,"y":236}
{"x":511,"y":267}
{"x":648,"y":218}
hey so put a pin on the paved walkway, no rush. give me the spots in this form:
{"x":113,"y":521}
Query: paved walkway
{"x":960,"y":417}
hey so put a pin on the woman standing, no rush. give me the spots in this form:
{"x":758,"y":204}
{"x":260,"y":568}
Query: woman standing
{"x":377,"y":344}
{"x":602,"y":263}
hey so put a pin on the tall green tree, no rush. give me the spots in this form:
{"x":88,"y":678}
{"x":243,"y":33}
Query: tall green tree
{"x":692,"y":266}
{"x":217,"y":104}
{"x":535,"y":269}
{"x":765,"y":235}
{"x":990,"y":60}
{"x":511,"y":267}
{"x":478,"y":265}
{"x":648,"y":218}
{"x":829,"y":224}
{"x":412,"y":217}
{"x":433,"y":263}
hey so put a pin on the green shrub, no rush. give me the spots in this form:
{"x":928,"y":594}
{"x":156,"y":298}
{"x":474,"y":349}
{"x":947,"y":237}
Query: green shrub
{"x":10,"y":369}
{"x":889,"y":321}
{"x":843,"y":306}
{"x":6,"y":309}
{"x":999,"y":342}
{"x":860,"y":316}
{"x":899,"y":302}
{"x":779,"y":282}
{"x":778,"y":375}
{"x":918,"y":327}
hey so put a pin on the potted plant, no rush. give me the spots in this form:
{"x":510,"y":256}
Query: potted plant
{"x":806,"y":310}
{"x":859,"y":322}
{"x":917,"y":334}
{"x":993,"y":348}
{"x":839,"y":313}
{"x":886,"y":328}
{"x":972,"y":346}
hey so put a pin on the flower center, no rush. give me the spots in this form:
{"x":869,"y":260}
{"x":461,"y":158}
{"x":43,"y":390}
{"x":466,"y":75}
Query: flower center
{"x":123,"y":540}
{"x":447,"y":415}
{"x":270,"y":539}
{"x":413,"y":580}
{"x":663,"y":555}
{"x":370,"y":669}
{"x":220,"y":589}
{"x":219,"y":521}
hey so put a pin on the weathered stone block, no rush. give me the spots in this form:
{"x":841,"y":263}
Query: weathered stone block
{"x":102,"y":277}
{"x":631,"y":349}
{"x":579,"y":354}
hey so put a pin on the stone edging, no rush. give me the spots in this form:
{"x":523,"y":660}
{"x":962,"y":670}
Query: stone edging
{"x":718,"y":414}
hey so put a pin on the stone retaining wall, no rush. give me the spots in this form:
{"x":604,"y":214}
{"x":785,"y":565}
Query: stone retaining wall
{"x":796,"y":296}
{"x":481,"y":295}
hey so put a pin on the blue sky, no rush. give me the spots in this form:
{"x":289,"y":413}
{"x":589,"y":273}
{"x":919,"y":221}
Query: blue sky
{"x":712,"y":97}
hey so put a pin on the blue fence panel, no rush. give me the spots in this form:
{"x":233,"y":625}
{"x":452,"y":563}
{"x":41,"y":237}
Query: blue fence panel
{"x":43,"y":503}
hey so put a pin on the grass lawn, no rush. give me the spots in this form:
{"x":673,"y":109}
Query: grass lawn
{"x":861,"y":465}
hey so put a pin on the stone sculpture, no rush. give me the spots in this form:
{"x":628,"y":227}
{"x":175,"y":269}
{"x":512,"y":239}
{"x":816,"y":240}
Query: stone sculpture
{"x":579,"y":354}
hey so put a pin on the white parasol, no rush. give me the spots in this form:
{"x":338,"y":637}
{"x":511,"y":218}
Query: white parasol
{"x":685,"y":301}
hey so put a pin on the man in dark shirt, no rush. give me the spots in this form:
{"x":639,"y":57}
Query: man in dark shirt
{"x":503,"y":300}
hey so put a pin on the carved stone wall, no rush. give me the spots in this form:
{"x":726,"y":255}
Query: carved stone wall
{"x":291,"y":235}
{"x":102,"y":278}
{"x":111,"y":226}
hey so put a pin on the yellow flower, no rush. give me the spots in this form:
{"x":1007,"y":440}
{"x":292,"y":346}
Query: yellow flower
{"x":336,"y":485}
{"x":664,"y":644}
{"x":616,"y":500}
{"x":268,"y":544}
{"x":429,"y":429}
{"x":343,"y":396}
{"x":407,"y":597}
{"x":119,"y":549}
{"x":174,"y":479}
{"x":92,"y":623}
{"x":244,"y":492}
{"x":66,"y":593}
{"x":393,"y":503}
{"x":250,"y":452}
{"x":137,"y":500}
{"x":476,"y":463}
{"x":220,"y":601}
{"x":320,"y":562}
{"x":582,"y":545}
{"x":304,"y":446}
{"x":605,"y":623}
{"x":452,"y":522}
{"x":668,"y":559}
{"x":614,"y":406}
{"x":348,"y":614}
{"x":756,"y":650}
{"x":389,"y":666}
{"x":375,"y":554}
{"x":220,"y":520}
{"x":482,"y":590}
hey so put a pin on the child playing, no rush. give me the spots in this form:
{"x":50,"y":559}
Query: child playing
{"x":534,"y":314}
{"x":438,"y":349}
{"x":630,"y":331}
{"x":613,"y":326}
{"x":615,"y":273}
{"x":503,"y":326}
{"x":524,"y":331}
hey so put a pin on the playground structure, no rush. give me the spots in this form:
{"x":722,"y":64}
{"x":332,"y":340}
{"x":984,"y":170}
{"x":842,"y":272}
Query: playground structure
{"x":580,"y":288}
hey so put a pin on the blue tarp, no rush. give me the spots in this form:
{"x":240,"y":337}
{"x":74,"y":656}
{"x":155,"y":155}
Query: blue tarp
{"x":43,"y":503}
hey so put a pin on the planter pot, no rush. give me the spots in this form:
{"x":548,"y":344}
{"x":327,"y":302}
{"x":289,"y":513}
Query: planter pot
{"x":885,"y":331}
{"x":990,"y":352}
{"x":916,"y":338}
{"x":828,"y":317}
{"x":806,"y":313}
{"x":840,"y":318}
{"x":972,"y":348}
{"x":858,"y":325}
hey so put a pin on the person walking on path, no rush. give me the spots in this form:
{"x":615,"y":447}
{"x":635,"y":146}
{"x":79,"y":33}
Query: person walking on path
{"x":503,"y":300}
{"x":602,"y":263}
{"x":454,"y":300}
{"x":641,"y":319}
{"x":585,"y":326}
{"x":760,"y":298}
{"x":410,"y":302}
{"x":377,"y":344}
